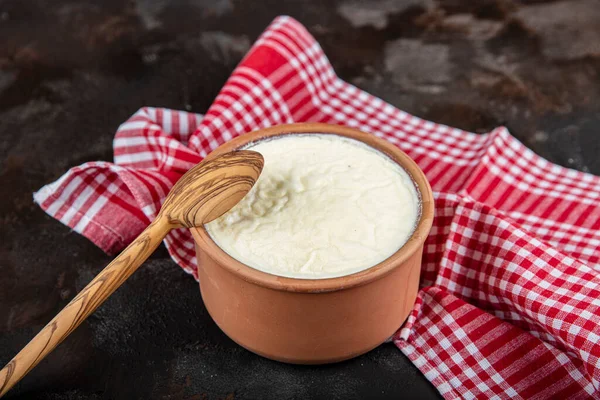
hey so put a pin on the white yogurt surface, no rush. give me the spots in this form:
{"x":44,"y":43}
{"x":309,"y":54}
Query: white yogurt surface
{"x":324,"y":206}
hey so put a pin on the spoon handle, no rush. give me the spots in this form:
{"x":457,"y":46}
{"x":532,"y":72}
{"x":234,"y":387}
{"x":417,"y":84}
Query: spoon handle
{"x":74,"y":313}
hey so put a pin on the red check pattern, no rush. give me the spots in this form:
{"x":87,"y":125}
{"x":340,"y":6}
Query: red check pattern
{"x":509,"y":305}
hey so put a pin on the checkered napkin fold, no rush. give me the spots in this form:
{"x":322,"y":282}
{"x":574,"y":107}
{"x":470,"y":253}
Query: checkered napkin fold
{"x":509,"y":305}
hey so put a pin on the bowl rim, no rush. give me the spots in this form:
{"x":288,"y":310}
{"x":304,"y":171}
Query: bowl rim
{"x":276,"y":282}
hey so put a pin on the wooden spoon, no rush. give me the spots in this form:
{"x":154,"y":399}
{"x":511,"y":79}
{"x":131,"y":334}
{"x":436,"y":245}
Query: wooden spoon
{"x":203,"y":194}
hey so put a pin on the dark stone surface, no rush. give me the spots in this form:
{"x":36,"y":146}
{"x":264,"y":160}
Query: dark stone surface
{"x":71,"y":71}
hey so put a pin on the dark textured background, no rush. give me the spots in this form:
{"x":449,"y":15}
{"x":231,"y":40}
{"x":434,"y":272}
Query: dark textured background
{"x":71,"y":71}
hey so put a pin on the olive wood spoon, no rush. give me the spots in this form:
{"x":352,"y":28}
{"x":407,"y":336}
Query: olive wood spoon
{"x":203,"y":194}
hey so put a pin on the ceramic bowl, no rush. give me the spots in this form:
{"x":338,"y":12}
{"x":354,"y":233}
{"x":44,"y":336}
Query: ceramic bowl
{"x":314,"y":321}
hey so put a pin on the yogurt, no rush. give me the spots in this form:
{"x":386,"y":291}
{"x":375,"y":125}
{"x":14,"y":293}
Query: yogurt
{"x":324,"y":206}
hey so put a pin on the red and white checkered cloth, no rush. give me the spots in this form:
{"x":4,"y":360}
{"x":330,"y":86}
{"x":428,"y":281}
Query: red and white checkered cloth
{"x":509,"y":305}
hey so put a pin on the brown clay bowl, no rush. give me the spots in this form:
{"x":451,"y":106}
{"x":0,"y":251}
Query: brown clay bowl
{"x":314,"y":321}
